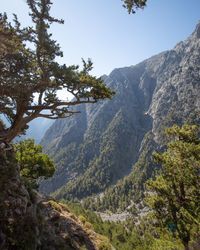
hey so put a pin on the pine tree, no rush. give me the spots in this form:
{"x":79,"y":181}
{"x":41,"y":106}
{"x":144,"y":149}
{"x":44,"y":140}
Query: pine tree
{"x":175,"y":193}
{"x":30,"y":76}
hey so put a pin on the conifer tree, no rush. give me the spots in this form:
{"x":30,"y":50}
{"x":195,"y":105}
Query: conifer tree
{"x":30,"y":76}
{"x":175,"y":193}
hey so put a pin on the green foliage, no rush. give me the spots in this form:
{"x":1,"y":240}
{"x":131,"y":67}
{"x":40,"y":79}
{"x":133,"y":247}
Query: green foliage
{"x":132,"y":5}
{"x":101,"y":160}
{"x":131,"y":188}
{"x":105,"y":244}
{"x":174,"y":193}
{"x":174,"y":197}
{"x":33,"y":163}
{"x":31,"y":76}
{"x":158,"y":230}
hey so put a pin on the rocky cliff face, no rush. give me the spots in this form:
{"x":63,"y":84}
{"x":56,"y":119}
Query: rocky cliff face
{"x":176,"y":95}
{"x":95,"y":149}
{"x":29,"y":221}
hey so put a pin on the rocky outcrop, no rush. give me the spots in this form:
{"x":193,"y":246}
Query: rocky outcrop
{"x":17,"y":211}
{"x":176,"y":96}
{"x":30,"y":221}
{"x":60,"y":229}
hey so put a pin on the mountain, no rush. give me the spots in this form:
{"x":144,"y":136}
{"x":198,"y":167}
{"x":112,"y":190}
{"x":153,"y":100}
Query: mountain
{"x":38,"y":128}
{"x":114,"y":138}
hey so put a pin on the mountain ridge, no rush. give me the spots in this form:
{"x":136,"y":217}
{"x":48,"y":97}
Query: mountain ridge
{"x":151,"y":95}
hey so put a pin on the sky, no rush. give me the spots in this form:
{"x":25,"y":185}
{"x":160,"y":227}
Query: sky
{"x":103,"y":30}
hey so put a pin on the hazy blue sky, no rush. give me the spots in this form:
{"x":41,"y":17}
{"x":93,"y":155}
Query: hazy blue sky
{"x":103,"y":30}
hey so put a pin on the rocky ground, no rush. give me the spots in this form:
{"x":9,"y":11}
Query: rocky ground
{"x":30,"y":221}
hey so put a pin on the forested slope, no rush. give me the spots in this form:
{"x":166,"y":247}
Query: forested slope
{"x":154,"y":94}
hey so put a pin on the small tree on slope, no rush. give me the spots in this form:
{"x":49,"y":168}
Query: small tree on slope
{"x":33,"y":162}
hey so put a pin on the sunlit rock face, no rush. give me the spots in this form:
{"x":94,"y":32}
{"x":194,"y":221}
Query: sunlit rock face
{"x":96,"y":148}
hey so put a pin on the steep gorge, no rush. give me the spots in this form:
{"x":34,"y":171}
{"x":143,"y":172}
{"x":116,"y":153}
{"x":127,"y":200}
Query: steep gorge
{"x":97,"y":148}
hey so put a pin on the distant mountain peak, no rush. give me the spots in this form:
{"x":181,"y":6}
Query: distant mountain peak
{"x":197,"y":30}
